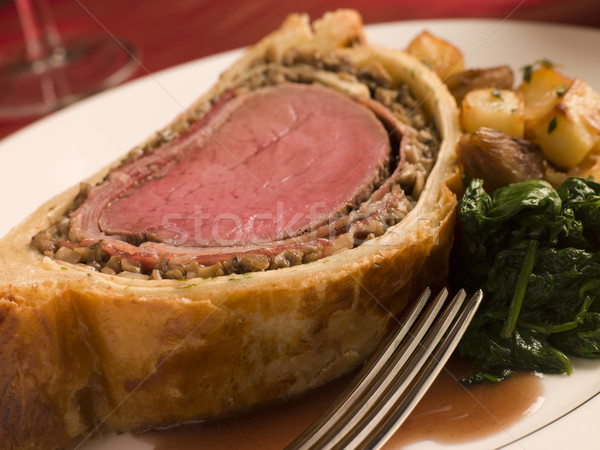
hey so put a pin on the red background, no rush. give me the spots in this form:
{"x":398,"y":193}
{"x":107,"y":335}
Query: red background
{"x":169,"y":32}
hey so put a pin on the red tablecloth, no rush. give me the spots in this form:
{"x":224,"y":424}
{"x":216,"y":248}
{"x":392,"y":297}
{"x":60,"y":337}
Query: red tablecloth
{"x":167,"y":33}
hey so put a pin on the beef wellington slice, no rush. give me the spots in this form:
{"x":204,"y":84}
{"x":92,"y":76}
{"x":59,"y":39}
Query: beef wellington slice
{"x":255,"y":248}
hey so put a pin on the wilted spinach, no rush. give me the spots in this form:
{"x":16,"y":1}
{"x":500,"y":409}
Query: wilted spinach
{"x":535,"y":252}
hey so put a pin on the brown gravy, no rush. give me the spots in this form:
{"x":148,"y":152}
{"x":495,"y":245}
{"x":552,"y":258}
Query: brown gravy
{"x":449,"y":413}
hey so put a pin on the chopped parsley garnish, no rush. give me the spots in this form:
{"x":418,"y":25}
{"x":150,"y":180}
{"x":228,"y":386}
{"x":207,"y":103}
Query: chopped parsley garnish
{"x":561,"y":90}
{"x":552,"y":125}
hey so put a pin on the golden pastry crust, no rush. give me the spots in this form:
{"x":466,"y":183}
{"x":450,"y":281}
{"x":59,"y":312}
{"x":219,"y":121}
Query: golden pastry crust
{"x":80,"y":349}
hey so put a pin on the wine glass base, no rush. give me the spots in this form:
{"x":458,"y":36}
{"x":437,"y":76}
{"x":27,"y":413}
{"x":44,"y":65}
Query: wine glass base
{"x":80,"y":68}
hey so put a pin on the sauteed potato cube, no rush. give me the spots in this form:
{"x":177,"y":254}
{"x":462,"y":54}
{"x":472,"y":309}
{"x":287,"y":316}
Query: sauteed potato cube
{"x":500,"y":109}
{"x":444,"y":58}
{"x":541,"y":92}
{"x":569,"y":130}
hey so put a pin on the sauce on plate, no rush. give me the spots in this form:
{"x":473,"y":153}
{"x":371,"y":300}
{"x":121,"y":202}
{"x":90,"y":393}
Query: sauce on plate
{"x":448,"y":414}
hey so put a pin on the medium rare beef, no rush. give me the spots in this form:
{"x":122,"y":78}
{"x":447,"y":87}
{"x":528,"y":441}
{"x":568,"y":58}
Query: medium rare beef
{"x":269,"y":164}
{"x":271,"y":175}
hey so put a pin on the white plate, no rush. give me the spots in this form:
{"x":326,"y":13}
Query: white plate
{"x":58,"y":151}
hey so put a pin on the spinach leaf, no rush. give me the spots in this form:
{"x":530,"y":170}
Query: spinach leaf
{"x":581,"y":199}
{"x":582,"y":341}
{"x":482,"y":377}
{"x":535,"y":252}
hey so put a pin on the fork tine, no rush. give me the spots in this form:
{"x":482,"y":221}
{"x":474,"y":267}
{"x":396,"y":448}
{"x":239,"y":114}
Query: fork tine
{"x":358,"y":416}
{"x":324,"y":426}
{"x":399,"y":403}
{"x":389,"y":369}
{"x":399,"y":378}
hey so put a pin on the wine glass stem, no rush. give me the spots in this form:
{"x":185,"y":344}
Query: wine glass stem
{"x":42,"y":40}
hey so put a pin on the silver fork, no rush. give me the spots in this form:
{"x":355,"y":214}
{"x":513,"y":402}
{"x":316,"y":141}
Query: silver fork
{"x":393,"y":381}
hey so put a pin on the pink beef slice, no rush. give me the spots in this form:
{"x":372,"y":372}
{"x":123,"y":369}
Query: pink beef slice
{"x":267,"y":165}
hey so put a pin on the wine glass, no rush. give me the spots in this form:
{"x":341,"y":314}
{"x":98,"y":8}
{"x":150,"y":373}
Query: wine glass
{"x":50,"y":72}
